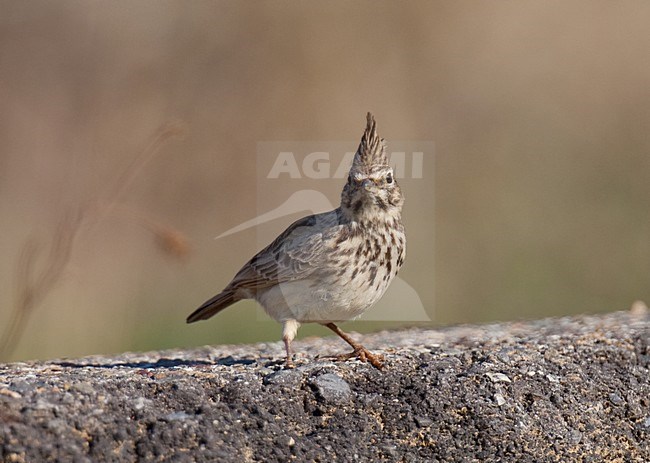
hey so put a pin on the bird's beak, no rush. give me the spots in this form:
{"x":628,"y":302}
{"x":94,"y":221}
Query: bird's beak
{"x":368,"y":184}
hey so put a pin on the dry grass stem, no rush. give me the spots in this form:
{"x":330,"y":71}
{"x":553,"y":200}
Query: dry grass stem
{"x":33,"y":282}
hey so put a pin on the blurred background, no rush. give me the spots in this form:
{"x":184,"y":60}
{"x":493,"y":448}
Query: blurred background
{"x":129,"y":136}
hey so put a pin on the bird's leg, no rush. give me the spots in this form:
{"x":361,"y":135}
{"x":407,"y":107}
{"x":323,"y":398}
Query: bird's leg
{"x":360,"y":352}
{"x":287,"y":347}
{"x":289,"y":330}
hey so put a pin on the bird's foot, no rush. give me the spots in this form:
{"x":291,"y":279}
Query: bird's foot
{"x":363,"y":354}
{"x":288,"y":364}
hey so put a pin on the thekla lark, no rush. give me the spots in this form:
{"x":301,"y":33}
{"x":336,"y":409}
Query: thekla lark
{"x":333,"y":266}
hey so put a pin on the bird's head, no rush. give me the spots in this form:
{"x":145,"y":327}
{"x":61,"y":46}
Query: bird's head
{"x":371,"y":187}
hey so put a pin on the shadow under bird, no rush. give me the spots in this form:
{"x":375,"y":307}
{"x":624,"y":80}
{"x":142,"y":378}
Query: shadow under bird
{"x":333,"y":266}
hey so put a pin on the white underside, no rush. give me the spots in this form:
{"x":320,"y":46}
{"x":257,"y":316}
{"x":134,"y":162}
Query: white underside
{"x":309,"y":303}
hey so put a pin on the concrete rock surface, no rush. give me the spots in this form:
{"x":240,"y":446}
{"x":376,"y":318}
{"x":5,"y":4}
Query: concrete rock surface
{"x":568,"y":389}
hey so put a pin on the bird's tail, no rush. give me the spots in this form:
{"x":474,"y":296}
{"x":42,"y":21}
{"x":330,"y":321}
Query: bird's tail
{"x":213,"y":306}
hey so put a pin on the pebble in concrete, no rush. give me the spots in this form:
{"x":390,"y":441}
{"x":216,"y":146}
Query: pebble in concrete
{"x":331,"y":388}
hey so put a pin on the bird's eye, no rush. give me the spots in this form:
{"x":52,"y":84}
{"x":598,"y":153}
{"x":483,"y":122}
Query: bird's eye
{"x":389,"y":178}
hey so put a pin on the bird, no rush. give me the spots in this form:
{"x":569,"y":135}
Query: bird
{"x":329,"y":267}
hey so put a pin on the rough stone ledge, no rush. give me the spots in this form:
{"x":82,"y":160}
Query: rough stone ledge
{"x":568,"y":389}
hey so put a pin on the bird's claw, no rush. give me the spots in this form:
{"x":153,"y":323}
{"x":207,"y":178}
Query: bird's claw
{"x":288,"y":364}
{"x":363,"y":354}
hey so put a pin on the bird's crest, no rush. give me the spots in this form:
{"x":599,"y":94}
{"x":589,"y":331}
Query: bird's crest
{"x":372,"y":149}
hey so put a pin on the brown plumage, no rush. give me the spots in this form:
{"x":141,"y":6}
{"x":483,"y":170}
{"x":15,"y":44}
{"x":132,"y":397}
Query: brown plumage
{"x":331,"y":266}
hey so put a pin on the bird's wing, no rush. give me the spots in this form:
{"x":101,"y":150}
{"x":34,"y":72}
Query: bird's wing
{"x":294,"y":255}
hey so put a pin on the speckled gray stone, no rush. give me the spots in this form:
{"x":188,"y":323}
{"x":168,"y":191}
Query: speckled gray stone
{"x":332,"y":388}
{"x":565,"y":389}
